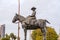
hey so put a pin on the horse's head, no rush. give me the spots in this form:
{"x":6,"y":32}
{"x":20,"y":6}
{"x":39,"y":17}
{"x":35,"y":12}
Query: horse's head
{"x":19,"y":18}
{"x":15,"y":18}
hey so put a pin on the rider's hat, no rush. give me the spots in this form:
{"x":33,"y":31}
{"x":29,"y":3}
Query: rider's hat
{"x":33,"y":8}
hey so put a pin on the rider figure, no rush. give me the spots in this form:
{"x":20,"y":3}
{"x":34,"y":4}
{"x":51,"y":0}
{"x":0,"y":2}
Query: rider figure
{"x":32,"y":18}
{"x":34,"y":12}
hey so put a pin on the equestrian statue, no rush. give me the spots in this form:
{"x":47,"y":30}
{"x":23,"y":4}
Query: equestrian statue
{"x":31,"y":23}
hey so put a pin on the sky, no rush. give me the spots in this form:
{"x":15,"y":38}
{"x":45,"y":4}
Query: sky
{"x":46,"y":9}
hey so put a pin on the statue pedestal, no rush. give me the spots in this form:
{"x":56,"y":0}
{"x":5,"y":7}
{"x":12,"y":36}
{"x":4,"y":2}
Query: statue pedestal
{"x":58,"y":37}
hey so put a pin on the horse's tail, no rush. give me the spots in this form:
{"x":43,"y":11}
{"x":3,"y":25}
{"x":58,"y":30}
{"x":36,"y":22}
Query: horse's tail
{"x":47,"y":21}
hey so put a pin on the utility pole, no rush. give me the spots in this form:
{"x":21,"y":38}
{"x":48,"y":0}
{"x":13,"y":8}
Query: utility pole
{"x":18,"y":21}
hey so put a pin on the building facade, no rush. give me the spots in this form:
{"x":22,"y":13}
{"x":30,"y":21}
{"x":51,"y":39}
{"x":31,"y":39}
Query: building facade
{"x":2,"y":30}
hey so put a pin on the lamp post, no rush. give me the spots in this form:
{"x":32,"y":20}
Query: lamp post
{"x":18,"y":22}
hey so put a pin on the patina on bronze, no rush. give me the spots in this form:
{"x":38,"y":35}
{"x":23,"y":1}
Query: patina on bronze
{"x":31,"y":23}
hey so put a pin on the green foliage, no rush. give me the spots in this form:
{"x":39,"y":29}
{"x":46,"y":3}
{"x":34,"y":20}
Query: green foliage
{"x":7,"y":36}
{"x":5,"y":39}
{"x":12,"y":36}
{"x":51,"y":34}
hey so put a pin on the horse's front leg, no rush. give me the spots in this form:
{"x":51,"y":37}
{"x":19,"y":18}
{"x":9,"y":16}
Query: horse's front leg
{"x":44,"y":33}
{"x":25,"y":33}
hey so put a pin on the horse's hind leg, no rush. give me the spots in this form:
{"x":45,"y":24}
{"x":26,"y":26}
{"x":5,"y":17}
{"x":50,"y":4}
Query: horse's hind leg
{"x":44,"y":33}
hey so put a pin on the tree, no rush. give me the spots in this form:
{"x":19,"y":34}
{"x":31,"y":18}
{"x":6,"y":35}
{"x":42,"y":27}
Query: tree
{"x":7,"y":36}
{"x":51,"y":34}
{"x":5,"y":39}
{"x":12,"y":35}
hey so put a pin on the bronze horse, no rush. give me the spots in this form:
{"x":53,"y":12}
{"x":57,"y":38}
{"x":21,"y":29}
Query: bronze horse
{"x":40,"y":23}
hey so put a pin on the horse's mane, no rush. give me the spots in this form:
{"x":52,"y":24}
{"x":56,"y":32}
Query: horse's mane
{"x":22,"y":18}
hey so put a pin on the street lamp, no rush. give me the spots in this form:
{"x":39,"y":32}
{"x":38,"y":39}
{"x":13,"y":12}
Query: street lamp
{"x":18,"y":22}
